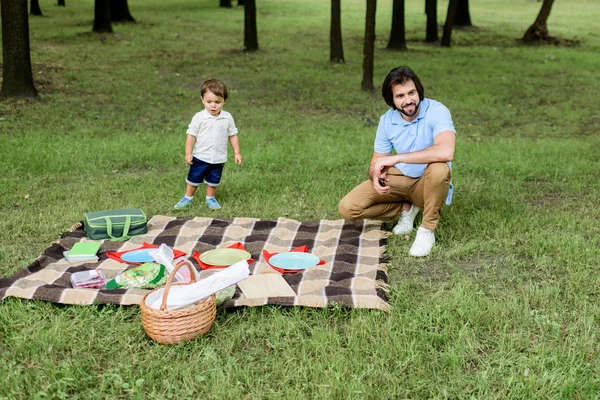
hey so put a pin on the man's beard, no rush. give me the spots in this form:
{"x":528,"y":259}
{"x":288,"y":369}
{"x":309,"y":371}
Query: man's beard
{"x":417,"y":104}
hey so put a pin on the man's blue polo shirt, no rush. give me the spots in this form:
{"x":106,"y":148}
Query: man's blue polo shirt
{"x":394,"y":133}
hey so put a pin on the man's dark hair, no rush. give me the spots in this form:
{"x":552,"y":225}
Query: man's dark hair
{"x":399,"y":76}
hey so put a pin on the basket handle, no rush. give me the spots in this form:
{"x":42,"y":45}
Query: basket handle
{"x":163,"y":305}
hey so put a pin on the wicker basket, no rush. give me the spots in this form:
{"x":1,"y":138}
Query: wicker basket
{"x":169,"y":327}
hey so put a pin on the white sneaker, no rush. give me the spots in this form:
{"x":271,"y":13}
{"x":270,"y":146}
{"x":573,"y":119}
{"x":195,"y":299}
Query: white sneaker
{"x":423,"y":243}
{"x":406,"y":222}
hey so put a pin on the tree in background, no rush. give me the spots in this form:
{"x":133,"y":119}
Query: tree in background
{"x":17,"y":78}
{"x":398,"y":32}
{"x":102,"y":16}
{"x":119,"y":11}
{"x":447,"y":34}
{"x":61,"y":3}
{"x":241,"y":2}
{"x":369,"y":46}
{"x":250,"y":31}
{"x":431,"y":32}
{"x":35,"y":8}
{"x":336,"y":49}
{"x":225,"y":3}
{"x":462,"y":17}
{"x":538,"y":31}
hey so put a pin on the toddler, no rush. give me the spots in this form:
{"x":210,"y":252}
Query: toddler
{"x":206,"y":144}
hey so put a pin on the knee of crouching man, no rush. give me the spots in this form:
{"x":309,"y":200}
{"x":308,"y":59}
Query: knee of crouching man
{"x":439,"y":171}
{"x":345,"y":210}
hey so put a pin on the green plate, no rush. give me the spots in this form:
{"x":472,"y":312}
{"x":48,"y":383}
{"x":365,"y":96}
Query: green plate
{"x":220,"y":257}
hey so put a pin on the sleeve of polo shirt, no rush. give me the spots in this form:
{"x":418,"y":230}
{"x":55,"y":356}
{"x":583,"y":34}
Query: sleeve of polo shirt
{"x":232,"y":129}
{"x":194,"y":126}
{"x":443,"y":120}
{"x":383,"y":144}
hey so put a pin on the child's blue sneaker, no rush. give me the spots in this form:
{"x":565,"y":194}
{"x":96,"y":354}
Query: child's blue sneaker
{"x":212,"y":203}
{"x":183,"y":204}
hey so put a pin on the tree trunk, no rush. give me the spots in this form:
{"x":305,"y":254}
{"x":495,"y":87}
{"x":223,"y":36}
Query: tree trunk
{"x":119,"y":11}
{"x":102,"y":16}
{"x":336,"y":49}
{"x":61,"y":3}
{"x":250,"y":31}
{"x":539,"y":30}
{"x":431,"y":34}
{"x":462,"y":17}
{"x":17,"y":78}
{"x":398,"y":33}
{"x":447,"y":35}
{"x":225,"y":3}
{"x":35,"y":8}
{"x":369,"y":46}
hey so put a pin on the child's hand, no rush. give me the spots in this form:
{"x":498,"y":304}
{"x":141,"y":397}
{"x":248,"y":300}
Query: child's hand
{"x":188,"y":159}
{"x":238,"y":158}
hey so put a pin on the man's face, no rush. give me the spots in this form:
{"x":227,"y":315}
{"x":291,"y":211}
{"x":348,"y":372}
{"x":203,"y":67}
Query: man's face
{"x":212,"y":103}
{"x":406,"y":100}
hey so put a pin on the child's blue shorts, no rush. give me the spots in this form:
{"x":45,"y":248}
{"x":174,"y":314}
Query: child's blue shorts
{"x":203,"y":172}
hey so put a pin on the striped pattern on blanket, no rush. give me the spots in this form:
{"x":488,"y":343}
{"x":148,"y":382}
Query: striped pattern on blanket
{"x":354,"y":274}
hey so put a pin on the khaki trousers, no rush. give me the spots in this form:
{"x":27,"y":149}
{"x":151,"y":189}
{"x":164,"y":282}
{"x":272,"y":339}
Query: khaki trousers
{"x":428,"y":192}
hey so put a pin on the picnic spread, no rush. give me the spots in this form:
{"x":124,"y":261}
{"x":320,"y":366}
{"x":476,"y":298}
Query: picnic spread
{"x":178,"y":268}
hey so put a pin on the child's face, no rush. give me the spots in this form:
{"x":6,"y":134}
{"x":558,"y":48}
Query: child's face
{"x":212,"y":103}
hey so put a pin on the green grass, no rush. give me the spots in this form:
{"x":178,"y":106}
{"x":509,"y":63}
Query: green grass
{"x":506,"y":306}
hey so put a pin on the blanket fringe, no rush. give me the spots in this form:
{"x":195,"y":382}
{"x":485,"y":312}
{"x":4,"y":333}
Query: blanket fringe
{"x":382,"y":267}
{"x":382,"y":285}
{"x":73,"y":228}
{"x":386,"y":234}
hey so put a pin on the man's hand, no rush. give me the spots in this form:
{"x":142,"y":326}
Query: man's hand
{"x":380,"y":169}
{"x":377,"y":184}
{"x":188,"y":159}
{"x":382,"y":164}
{"x":376,"y":176}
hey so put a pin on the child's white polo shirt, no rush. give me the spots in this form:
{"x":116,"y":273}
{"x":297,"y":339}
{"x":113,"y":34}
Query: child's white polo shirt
{"x":212,"y":134}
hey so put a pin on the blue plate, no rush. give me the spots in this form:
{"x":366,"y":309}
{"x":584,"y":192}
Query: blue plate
{"x":137,"y":256}
{"x":294,"y":260}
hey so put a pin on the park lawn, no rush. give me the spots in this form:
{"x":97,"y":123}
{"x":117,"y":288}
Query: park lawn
{"x":506,"y":306}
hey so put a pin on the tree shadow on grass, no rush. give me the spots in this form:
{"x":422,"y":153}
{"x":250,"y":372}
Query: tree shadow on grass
{"x":487,"y":37}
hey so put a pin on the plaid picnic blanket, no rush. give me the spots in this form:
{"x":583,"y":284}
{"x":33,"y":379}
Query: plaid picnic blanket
{"x":354,"y":274}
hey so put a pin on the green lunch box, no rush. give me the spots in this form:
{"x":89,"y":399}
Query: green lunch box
{"x":116,"y":225}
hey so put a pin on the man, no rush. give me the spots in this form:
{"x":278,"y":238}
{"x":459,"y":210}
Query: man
{"x":417,"y":177}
